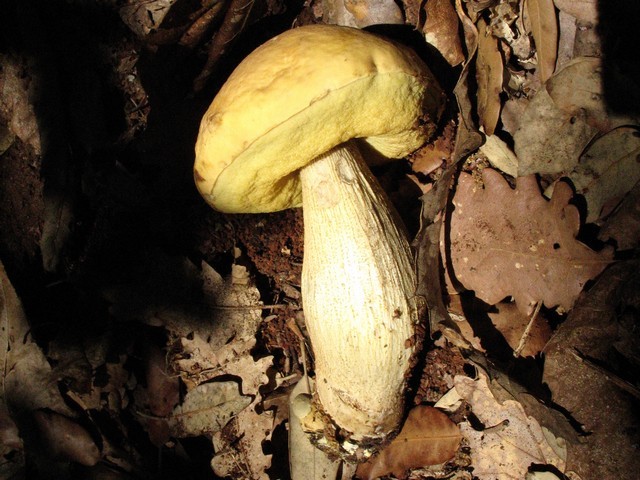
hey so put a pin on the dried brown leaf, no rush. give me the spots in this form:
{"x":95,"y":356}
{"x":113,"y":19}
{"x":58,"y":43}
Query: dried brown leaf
{"x":441,"y":30}
{"x":514,"y":440}
{"x":511,"y":323}
{"x":207,"y":409}
{"x":489,"y":75}
{"x":585,"y":10}
{"x":506,"y":242}
{"x":239,"y":446}
{"x":469,"y":30}
{"x":608,"y":170}
{"x":544,"y":27}
{"x":428,"y":437}
{"x":65,"y":438}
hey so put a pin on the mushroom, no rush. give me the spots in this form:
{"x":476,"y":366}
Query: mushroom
{"x":283,"y":132}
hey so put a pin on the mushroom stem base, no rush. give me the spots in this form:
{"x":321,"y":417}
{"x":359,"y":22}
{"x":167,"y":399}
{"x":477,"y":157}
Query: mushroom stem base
{"x":358,"y":286}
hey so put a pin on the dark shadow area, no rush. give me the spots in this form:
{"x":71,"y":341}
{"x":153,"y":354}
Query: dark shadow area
{"x":618,"y":30}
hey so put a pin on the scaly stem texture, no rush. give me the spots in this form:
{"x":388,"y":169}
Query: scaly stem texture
{"x":358,"y":286}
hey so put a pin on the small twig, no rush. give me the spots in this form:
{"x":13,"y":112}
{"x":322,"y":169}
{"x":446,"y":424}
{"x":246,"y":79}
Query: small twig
{"x":527,"y":331}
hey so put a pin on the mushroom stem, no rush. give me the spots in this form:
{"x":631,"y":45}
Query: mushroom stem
{"x":358,"y":285}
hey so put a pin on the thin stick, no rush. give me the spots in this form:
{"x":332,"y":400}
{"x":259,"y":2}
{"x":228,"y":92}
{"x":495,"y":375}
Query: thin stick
{"x":527,"y":331}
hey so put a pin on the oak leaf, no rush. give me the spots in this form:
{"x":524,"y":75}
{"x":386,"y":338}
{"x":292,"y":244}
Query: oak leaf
{"x":506,"y":242}
{"x":428,"y":437}
{"x":511,"y":440}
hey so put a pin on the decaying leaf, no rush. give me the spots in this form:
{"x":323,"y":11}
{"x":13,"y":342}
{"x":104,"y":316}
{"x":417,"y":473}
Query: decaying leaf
{"x":515,"y":243}
{"x":518,"y":331}
{"x":563,"y":117}
{"x":66,"y":439}
{"x":441,"y":29}
{"x":207,"y":408}
{"x":608,"y":170}
{"x":27,"y":380}
{"x":306,"y":461}
{"x":239,"y":446}
{"x":428,"y":437}
{"x":510,"y":441}
{"x":489,"y":74}
{"x":585,"y":10}
{"x":597,"y":329}
{"x":544,"y":27}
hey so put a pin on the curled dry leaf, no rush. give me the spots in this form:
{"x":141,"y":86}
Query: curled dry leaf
{"x":500,"y":155}
{"x":506,"y":242}
{"x":544,"y":27}
{"x":239,"y":446}
{"x":489,"y":75}
{"x":428,"y":437}
{"x":511,"y":440}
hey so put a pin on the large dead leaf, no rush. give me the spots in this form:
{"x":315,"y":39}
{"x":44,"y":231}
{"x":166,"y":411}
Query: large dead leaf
{"x":428,"y":437}
{"x":601,"y":329}
{"x":511,"y":441}
{"x":544,"y":27}
{"x":563,"y":117}
{"x":507,"y":242}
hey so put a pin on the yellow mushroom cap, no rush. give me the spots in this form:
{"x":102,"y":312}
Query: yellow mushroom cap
{"x":296,"y":97}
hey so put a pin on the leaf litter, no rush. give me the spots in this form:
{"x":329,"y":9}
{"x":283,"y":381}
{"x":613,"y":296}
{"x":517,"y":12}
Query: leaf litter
{"x":535,"y":74}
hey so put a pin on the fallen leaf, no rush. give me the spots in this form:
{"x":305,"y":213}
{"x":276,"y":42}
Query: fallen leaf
{"x":563,"y":117}
{"x":511,"y":441}
{"x":594,"y":329}
{"x":489,"y":75}
{"x":428,"y":437}
{"x":66,"y":439}
{"x":441,"y":30}
{"x":306,"y":461}
{"x":506,"y":242}
{"x":16,"y":101}
{"x":544,"y":28}
{"x":500,"y":155}
{"x":550,"y":140}
{"x":239,"y":446}
{"x":512,"y":324}
{"x":585,"y":10}
{"x":207,"y":409}
{"x":608,"y":170}
{"x":27,"y":381}
{"x":469,"y":30}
